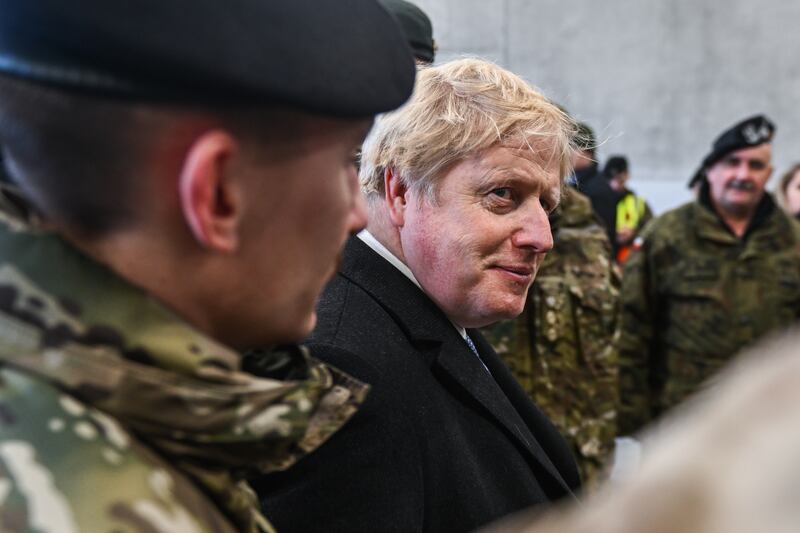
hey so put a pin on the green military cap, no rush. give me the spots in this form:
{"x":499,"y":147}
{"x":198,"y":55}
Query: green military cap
{"x":417,"y":27}
{"x":336,"y":57}
{"x":751,"y":131}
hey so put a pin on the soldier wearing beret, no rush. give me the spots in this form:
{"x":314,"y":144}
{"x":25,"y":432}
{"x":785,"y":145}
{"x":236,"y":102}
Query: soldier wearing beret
{"x":184,"y":182}
{"x":708,"y":278}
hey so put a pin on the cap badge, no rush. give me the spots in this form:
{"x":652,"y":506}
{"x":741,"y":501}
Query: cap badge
{"x":756,"y":134}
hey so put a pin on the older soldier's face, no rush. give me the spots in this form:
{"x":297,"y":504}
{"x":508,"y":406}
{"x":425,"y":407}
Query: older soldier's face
{"x":737,"y":181}
{"x":476,"y":250}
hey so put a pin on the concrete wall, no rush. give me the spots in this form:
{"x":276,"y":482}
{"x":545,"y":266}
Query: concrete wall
{"x":657,"y":80}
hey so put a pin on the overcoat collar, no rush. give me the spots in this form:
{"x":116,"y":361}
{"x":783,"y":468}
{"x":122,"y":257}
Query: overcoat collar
{"x":432,"y":333}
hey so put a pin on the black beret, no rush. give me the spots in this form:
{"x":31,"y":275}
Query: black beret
{"x":417,"y":27}
{"x":337,"y":57}
{"x":751,"y":131}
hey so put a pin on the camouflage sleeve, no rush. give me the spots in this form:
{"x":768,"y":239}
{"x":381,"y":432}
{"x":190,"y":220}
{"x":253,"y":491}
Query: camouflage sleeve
{"x":66,"y":467}
{"x":637,"y":323}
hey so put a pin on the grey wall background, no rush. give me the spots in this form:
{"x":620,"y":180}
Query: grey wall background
{"x":657,"y":80}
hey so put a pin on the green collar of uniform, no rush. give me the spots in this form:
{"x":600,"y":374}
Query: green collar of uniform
{"x":709,"y":223}
{"x":76,"y":324}
{"x":576,"y":210}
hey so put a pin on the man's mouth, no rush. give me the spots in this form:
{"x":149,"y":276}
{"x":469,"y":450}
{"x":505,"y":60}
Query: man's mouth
{"x":742,"y":185}
{"x":518,"y":273}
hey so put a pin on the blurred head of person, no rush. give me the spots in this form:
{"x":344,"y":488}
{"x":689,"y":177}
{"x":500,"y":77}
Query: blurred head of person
{"x":460,"y":182}
{"x":789,"y":190}
{"x":584,"y":156}
{"x":417,"y":28}
{"x":616,"y":172}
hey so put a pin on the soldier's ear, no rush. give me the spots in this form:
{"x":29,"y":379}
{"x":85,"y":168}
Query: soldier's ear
{"x":210,"y":197}
{"x":396,"y":196}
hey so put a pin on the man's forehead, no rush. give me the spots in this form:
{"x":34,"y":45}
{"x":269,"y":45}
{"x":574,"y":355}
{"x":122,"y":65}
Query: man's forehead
{"x":538,"y":154}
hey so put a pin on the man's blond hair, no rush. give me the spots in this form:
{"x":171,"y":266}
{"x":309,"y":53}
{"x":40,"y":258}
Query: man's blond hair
{"x":459,"y":109}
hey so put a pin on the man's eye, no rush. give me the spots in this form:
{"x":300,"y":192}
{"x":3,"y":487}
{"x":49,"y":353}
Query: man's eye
{"x":502,"y":192}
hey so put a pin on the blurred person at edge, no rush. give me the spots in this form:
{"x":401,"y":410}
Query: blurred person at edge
{"x":789,"y":191}
{"x":707,"y":279}
{"x":460,"y":182}
{"x":632,"y":210}
{"x":588,"y":179}
{"x":724,"y":462}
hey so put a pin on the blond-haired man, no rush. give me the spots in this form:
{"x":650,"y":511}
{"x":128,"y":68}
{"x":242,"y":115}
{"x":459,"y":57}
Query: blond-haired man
{"x":459,"y":185}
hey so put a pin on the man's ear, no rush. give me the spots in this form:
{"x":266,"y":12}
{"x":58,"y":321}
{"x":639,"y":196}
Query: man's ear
{"x":396,"y":196}
{"x":210,"y":199}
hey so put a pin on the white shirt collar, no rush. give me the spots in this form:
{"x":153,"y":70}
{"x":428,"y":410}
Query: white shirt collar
{"x":370,"y":240}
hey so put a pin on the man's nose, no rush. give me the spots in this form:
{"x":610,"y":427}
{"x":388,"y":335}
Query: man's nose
{"x":743,"y":170}
{"x":533,"y":231}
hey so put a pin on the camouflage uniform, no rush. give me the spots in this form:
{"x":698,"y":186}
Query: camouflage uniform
{"x":694,"y":294}
{"x":561,"y":348}
{"x":117,"y":416}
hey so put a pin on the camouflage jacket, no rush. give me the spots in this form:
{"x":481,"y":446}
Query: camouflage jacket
{"x":561,"y":349}
{"x":693,"y":295}
{"x":115,"y":415}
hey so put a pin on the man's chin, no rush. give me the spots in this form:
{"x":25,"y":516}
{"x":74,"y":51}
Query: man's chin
{"x":740,"y":210}
{"x":297,"y":331}
{"x":497,"y":315}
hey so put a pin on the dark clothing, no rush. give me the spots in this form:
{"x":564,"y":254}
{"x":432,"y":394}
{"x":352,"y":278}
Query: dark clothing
{"x":593,"y":184}
{"x":440,"y":443}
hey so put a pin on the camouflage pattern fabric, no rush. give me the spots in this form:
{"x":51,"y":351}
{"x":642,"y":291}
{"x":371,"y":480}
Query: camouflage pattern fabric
{"x":561,"y":349}
{"x":694,"y":295}
{"x":115,"y":415}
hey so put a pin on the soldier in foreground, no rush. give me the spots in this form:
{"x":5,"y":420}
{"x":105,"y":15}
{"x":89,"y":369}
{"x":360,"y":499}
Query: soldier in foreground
{"x":184,"y":186}
{"x":562,"y":347}
{"x":708,"y":279}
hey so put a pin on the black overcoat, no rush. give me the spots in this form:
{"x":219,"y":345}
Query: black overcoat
{"x":440,"y":443}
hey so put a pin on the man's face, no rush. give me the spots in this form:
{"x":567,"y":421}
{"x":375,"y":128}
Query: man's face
{"x":303,"y":213}
{"x":737,"y":181}
{"x":618,"y":182}
{"x":476,"y":250}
